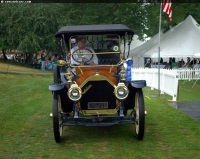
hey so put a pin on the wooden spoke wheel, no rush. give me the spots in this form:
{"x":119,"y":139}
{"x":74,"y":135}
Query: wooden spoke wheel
{"x":57,"y":117}
{"x":139,"y":114}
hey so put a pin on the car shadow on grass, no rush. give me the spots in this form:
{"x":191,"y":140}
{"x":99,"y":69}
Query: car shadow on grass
{"x":75,"y":135}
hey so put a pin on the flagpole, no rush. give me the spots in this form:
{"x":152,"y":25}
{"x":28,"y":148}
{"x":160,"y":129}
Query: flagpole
{"x":159,"y":49}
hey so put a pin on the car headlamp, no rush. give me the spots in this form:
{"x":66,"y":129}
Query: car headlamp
{"x":74,"y":92}
{"x":121,"y":91}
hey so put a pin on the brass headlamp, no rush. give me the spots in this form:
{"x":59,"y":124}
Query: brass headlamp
{"x":74,"y":92}
{"x":121,"y":91}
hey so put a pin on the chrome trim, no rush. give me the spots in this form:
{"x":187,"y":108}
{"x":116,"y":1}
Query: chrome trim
{"x":121,"y":85}
{"x":72,"y":88}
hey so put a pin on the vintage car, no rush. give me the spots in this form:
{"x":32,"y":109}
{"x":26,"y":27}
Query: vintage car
{"x":96,"y":89}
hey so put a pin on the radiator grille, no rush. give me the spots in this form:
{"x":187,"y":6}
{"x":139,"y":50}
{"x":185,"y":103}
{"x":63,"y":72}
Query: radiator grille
{"x":98,"y":91}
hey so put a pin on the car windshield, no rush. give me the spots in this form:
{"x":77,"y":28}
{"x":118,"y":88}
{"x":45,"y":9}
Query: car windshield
{"x":95,"y":50}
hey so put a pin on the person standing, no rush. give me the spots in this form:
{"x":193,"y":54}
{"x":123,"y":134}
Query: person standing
{"x":34,"y":61}
{"x":43,"y":62}
{"x":174,"y":63}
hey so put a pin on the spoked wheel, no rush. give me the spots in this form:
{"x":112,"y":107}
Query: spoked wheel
{"x":139,"y":114}
{"x":56,"y":74}
{"x":57,"y":117}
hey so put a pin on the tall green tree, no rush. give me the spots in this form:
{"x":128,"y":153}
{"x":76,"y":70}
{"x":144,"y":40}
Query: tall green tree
{"x":31,"y":27}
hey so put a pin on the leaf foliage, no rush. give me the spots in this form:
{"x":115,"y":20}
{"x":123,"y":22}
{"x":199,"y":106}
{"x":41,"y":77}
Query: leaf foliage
{"x":31,"y":27}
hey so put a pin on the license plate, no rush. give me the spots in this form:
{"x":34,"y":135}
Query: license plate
{"x":98,"y":105}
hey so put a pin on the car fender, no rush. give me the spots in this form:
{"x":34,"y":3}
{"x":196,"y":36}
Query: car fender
{"x":56,"y":86}
{"x":138,"y":83}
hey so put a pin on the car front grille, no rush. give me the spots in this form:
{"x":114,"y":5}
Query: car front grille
{"x":98,"y":92}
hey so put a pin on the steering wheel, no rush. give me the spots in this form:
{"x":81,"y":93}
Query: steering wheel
{"x":82,"y":58}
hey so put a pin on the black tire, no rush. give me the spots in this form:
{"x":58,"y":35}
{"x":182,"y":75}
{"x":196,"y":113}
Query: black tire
{"x":56,"y":74}
{"x":57,"y":118}
{"x":139,"y":114}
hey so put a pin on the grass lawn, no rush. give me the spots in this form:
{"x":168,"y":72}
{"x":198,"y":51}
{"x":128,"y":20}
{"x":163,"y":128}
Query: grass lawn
{"x":10,"y":67}
{"x":26,"y":128}
{"x":186,"y":93}
{"x":189,"y":90}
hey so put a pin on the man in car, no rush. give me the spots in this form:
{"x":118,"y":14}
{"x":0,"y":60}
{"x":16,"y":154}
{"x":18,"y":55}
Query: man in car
{"x":86,"y":59}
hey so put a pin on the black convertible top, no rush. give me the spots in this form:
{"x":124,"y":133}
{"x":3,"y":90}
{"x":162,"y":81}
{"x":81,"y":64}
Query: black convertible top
{"x":119,"y":29}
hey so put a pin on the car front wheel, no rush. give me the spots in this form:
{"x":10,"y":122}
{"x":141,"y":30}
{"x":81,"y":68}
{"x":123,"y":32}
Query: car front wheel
{"x":139,"y":114}
{"x":57,"y":117}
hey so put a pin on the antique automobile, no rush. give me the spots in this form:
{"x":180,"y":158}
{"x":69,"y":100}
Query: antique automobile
{"x":97,"y":87}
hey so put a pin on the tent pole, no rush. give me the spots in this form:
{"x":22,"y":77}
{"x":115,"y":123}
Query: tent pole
{"x":159,"y":49}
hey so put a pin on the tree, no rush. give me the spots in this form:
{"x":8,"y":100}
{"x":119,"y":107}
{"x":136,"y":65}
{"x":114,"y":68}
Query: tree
{"x":28,"y":28}
{"x":180,"y":12}
{"x":31,"y":27}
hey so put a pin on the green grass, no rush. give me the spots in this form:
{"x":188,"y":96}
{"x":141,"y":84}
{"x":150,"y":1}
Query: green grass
{"x":186,"y":93}
{"x":11,"y":66}
{"x":26,"y":128}
{"x":189,"y":90}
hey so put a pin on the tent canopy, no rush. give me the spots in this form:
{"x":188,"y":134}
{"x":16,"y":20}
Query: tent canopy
{"x":197,"y":55}
{"x":183,"y":40}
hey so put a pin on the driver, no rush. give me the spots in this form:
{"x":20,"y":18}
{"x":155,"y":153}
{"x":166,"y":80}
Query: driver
{"x":88,"y":59}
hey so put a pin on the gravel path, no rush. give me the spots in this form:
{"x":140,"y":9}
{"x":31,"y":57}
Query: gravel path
{"x":192,"y":109}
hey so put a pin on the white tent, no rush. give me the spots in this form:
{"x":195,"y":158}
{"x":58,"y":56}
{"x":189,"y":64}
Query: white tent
{"x":197,"y":55}
{"x":182,"y":40}
{"x":135,"y":43}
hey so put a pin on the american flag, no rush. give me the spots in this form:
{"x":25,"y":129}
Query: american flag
{"x":167,"y":8}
